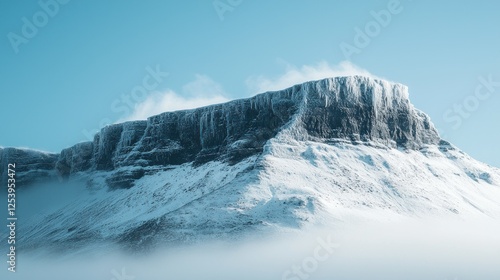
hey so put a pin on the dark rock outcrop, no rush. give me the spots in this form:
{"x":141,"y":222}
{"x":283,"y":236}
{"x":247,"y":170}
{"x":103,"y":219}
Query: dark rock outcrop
{"x":30,"y":166}
{"x":355,"y":108}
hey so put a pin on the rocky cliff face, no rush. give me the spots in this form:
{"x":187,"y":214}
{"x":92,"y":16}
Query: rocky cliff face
{"x":31,"y":166}
{"x":358,"y":109}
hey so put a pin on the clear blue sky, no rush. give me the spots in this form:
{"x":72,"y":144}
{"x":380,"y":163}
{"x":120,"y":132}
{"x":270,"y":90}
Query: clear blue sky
{"x":87,"y":54}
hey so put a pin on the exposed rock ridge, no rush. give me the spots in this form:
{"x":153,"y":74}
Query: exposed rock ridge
{"x":361,"y":109}
{"x":30,"y":165}
{"x":358,"y":109}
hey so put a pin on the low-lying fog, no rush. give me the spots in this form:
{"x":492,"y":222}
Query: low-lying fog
{"x":399,"y":250}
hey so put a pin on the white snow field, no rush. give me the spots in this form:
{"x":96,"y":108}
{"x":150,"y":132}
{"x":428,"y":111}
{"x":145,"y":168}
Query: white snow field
{"x":291,"y":186}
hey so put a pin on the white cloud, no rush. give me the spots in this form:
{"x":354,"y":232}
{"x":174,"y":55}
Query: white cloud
{"x":204,"y":91}
{"x":200,"y":92}
{"x":294,"y":75}
{"x":203,"y":86}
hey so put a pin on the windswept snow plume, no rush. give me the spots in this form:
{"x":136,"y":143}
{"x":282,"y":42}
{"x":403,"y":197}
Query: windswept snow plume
{"x":296,"y":75}
{"x":204,"y":91}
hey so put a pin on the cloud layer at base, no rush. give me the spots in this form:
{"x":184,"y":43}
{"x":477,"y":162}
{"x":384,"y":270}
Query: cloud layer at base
{"x":409,"y":249}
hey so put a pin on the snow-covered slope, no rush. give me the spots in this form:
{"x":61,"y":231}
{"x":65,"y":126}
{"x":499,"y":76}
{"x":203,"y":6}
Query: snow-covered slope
{"x":328,"y":152}
{"x":292,"y":185}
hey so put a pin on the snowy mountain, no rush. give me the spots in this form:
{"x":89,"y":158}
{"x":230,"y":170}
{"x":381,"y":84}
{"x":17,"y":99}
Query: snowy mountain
{"x":326,"y":152}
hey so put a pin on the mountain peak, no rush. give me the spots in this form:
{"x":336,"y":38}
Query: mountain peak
{"x":365,"y":109}
{"x":357,"y":109}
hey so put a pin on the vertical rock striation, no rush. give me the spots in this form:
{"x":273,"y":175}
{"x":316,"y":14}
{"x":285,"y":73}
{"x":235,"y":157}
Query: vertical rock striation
{"x":354,"y":108}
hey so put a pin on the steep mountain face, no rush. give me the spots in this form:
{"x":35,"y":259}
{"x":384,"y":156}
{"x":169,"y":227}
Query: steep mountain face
{"x":31,"y":166}
{"x":322,"y":152}
{"x":356,"y":109}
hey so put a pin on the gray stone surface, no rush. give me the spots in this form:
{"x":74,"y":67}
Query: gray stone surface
{"x":30,"y":166}
{"x":358,"y":109}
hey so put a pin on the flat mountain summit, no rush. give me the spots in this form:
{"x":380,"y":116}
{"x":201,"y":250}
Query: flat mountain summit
{"x":355,"y":109}
{"x":319,"y":153}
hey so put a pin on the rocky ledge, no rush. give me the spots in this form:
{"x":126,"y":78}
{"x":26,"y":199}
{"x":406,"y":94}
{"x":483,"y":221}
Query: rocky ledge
{"x":357,"y":109}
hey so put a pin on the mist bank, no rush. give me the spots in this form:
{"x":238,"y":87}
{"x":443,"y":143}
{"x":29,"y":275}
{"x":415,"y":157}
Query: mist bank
{"x":406,"y":249}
